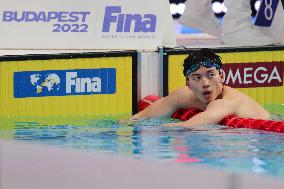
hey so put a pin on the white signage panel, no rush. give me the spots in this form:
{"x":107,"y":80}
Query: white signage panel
{"x":74,"y":24}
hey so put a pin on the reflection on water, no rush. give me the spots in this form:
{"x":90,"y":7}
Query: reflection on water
{"x":237,"y":150}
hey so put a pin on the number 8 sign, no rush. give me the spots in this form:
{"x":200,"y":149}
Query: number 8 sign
{"x":266,"y":13}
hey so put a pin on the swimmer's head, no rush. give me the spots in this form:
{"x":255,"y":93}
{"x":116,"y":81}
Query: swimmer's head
{"x":203,"y":57}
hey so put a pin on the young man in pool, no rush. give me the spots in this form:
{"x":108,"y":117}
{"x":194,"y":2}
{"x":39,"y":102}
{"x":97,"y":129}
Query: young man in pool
{"x":205,"y":91}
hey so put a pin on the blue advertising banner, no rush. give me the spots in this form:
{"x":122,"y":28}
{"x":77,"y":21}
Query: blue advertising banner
{"x":64,"y":82}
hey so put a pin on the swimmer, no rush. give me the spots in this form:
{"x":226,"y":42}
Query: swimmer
{"x":204,"y":90}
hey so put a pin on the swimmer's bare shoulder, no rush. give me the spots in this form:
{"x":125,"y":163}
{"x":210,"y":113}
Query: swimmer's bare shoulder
{"x":245,"y":105}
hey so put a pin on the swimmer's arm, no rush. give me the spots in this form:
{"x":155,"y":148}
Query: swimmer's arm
{"x":161,"y":108}
{"x":164,"y":107}
{"x":215,"y":112}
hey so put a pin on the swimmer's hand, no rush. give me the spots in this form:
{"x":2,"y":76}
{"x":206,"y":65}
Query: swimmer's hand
{"x":128,"y":122}
{"x":131,"y":121}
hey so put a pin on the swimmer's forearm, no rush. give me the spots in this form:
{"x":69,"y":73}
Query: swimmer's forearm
{"x":147,"y":113}
{"x":153,"y":111}
{"x":203,"y":118}
{"x":189,"y":123}
{"x":161,"y":108}
{"x":137,"y":116}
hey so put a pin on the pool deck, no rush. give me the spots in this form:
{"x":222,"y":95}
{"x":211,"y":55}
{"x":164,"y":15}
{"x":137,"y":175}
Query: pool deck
{"x":196,"y":40}
{"x":34,"y":166}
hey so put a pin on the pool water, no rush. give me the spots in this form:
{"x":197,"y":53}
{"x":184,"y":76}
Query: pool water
{"x":232,"y":150}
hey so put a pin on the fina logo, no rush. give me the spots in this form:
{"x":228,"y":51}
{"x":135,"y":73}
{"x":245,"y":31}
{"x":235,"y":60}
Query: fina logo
{"x":123,"y":22}
{"x":82,"y":84}
{"x":51,"y":82}
{"x":65,"y":82}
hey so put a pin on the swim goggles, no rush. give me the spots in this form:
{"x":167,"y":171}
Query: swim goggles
{"x":208,"y":63}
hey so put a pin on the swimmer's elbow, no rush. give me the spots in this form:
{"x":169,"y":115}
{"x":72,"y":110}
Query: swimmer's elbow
{"x":262,"y":114}
{"x":266,"y":115}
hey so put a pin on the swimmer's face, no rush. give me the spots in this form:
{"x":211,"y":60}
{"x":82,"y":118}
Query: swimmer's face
{"x":206,"y":84}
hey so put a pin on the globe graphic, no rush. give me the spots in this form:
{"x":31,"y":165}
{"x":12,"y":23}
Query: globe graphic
{"x":49,"y":82}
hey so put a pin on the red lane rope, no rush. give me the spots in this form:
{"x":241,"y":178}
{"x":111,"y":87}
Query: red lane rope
{"x":231,"y":121}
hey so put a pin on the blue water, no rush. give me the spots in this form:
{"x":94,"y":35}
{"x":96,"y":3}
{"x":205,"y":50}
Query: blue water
{"x":232,"y":150}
